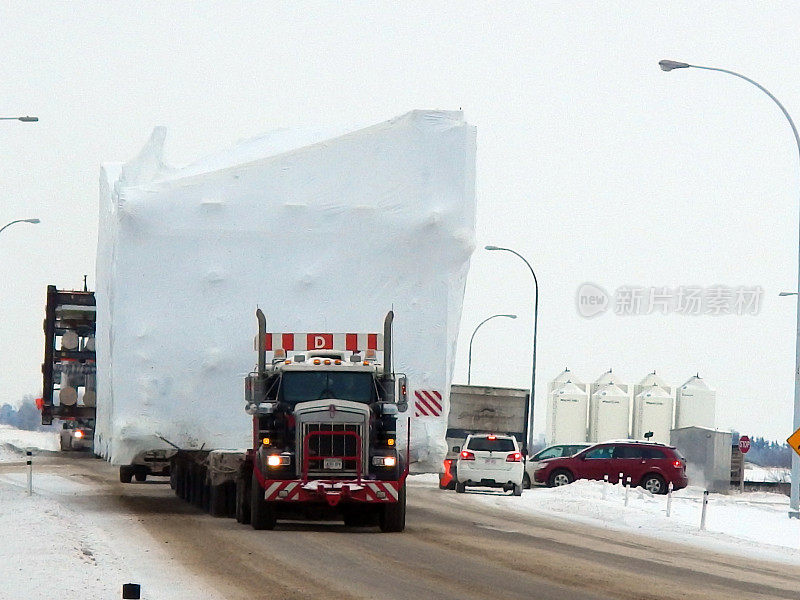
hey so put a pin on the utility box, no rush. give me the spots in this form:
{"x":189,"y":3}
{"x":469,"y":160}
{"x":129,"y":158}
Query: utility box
{"x":708,"y":456}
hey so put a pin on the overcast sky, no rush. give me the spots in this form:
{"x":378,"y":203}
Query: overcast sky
{"x":593,"y":163}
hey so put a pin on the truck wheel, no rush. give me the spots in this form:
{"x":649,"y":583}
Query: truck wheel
{"x":517,"y":490}
{"x":393,"y":516}
{"x":262,"y":513}
{"x":140,"y":474}
{"x":126,"y":473}
{"x":242,"y":497}
{"x":526,"y":481}
{"x":180,"y":480}
{"x":461,"y":488}
{"x":218,"y":500}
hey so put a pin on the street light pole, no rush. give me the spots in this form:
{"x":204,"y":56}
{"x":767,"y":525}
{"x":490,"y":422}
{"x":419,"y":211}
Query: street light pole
{"x":535,"y":327}
{"x":469,"y":364}
{"x":794,"y":501}
{"x":19,"y":221}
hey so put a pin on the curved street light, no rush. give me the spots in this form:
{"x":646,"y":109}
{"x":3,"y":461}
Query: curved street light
{"x":469,"y":364}
{"x":23,"y":119}
{"x":535,"y":327}
{"x":794,"y":502}
{"x":19,"y":221}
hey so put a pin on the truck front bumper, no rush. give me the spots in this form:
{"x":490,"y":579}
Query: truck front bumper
{"x":332,"y":492}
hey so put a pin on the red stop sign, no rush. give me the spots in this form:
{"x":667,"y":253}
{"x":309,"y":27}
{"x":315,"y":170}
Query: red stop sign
{"x":744,"y":444}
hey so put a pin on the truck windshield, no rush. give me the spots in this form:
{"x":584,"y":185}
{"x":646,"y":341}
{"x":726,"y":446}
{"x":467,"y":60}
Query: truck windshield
{"x":320,"y":385}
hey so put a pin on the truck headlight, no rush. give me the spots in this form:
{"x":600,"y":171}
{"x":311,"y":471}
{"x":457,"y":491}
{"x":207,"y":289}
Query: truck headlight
{"x":278,"y":460}
{"x":384,"y":461}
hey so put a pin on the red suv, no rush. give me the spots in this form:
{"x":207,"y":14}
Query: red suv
{"x":652,"y":466}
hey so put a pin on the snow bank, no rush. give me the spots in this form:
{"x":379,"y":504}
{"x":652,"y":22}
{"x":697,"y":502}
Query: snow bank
{"x":324,"y":234}
{"x":753,"y":523}
{"x":14,"y":441}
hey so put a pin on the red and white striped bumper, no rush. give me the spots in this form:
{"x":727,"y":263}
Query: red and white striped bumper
{"x":331,"y":492}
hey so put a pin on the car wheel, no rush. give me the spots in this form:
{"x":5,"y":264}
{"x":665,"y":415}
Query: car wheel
{"x":517,"y":490}
{"x":526,"y":481}
{"x":559,"y":478}
{"x":140,"y":475}
{"x":654,"y":484}
{"x":461,"y":488}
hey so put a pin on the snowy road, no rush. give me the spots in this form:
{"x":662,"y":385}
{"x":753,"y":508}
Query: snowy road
{"x":454,"y":547}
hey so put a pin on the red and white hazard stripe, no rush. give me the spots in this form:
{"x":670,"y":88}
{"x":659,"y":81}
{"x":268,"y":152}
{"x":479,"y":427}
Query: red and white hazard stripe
{"x":300,"y":342}
{"x":274,"y":489}
{"x":387,"y":490}
{"x":428,"y":403}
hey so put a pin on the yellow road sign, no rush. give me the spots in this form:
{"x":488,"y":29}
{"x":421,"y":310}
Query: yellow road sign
{"x":794,"y":441}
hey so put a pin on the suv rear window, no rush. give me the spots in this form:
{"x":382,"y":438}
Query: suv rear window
{"x":653,"y":453}
{"x":487,"y":445}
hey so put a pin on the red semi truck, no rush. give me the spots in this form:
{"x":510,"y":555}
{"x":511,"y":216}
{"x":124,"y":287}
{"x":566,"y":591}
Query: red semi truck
{"x":324,"y":437}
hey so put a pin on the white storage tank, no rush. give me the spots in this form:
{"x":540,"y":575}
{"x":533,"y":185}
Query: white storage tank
{"x":649,"y":381}
{"x":565,"y":376}
{"x":609,"y":377}
{"x":609,"y":413}
{"x":568,"y":407}
{"x":695,"y":404}
{"x":652,"y":412}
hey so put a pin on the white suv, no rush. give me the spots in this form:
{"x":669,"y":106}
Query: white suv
{"x":490,"y":461}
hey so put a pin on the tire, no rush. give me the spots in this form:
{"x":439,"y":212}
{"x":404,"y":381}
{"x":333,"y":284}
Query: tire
{"x":126,"y":473}
{"x":526,"y":481}
{"x":262,"y":513}
{"x":242,"y":511}
{"x":517,"y":491}
{"x":181,"y":487}
{"x":393,"y":516}
{"x":218,"y":500}
{"x":560,"y":477}
{"x":140,"y":475}
{"x":654,"y":483}
{"x":461,"y":488}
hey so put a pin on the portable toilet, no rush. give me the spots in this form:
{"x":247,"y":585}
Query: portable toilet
{"x":609,"y":413}
{"x":695,"y":404}
{"x":566,"y":415}
{"x":652,"y":413}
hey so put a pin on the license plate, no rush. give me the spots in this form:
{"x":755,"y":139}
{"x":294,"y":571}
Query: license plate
{"x":332,"y":464}
{"x":490,"y":461}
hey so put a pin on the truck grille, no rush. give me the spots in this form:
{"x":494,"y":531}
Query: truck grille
{"x":332,"y":446}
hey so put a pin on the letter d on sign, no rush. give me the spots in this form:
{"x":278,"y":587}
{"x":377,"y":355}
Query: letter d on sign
{"x":320,"y":341}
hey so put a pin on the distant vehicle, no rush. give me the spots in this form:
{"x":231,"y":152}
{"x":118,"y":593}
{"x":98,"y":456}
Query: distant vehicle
{"x":649,"y":465}
{"x":490,"y":461}
{"x":481,"y":409}
{"x":76,"y":436}
{"x":555,"y":451}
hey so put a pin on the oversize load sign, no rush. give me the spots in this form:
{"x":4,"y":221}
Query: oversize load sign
{"x":324,"y":341}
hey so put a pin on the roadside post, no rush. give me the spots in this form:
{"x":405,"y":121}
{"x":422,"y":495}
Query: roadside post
{"x":744,"y":448}
{"x":627,"y":485}
{"x":29,"y":463}
{"x":669,"y":499}
{"x":703,"y":512}
{"x":605,"y":486}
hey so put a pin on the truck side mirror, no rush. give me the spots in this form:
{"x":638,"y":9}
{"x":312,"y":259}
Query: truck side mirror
{"x":402,"y":393}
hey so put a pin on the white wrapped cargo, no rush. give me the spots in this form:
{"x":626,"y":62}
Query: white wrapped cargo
{"x":324,"y":235}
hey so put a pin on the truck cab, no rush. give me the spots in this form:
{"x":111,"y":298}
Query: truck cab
{"x":325,"y":432}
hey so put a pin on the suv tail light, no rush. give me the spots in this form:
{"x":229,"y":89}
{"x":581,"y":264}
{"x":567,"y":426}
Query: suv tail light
{"x":467,"y":455}
{"x":677,"y":464}
{"x":514,"y":457}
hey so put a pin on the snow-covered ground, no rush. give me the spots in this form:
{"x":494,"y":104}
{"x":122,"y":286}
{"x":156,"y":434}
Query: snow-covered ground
{"x":755,"y":524}
{"x":51,"y":549}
